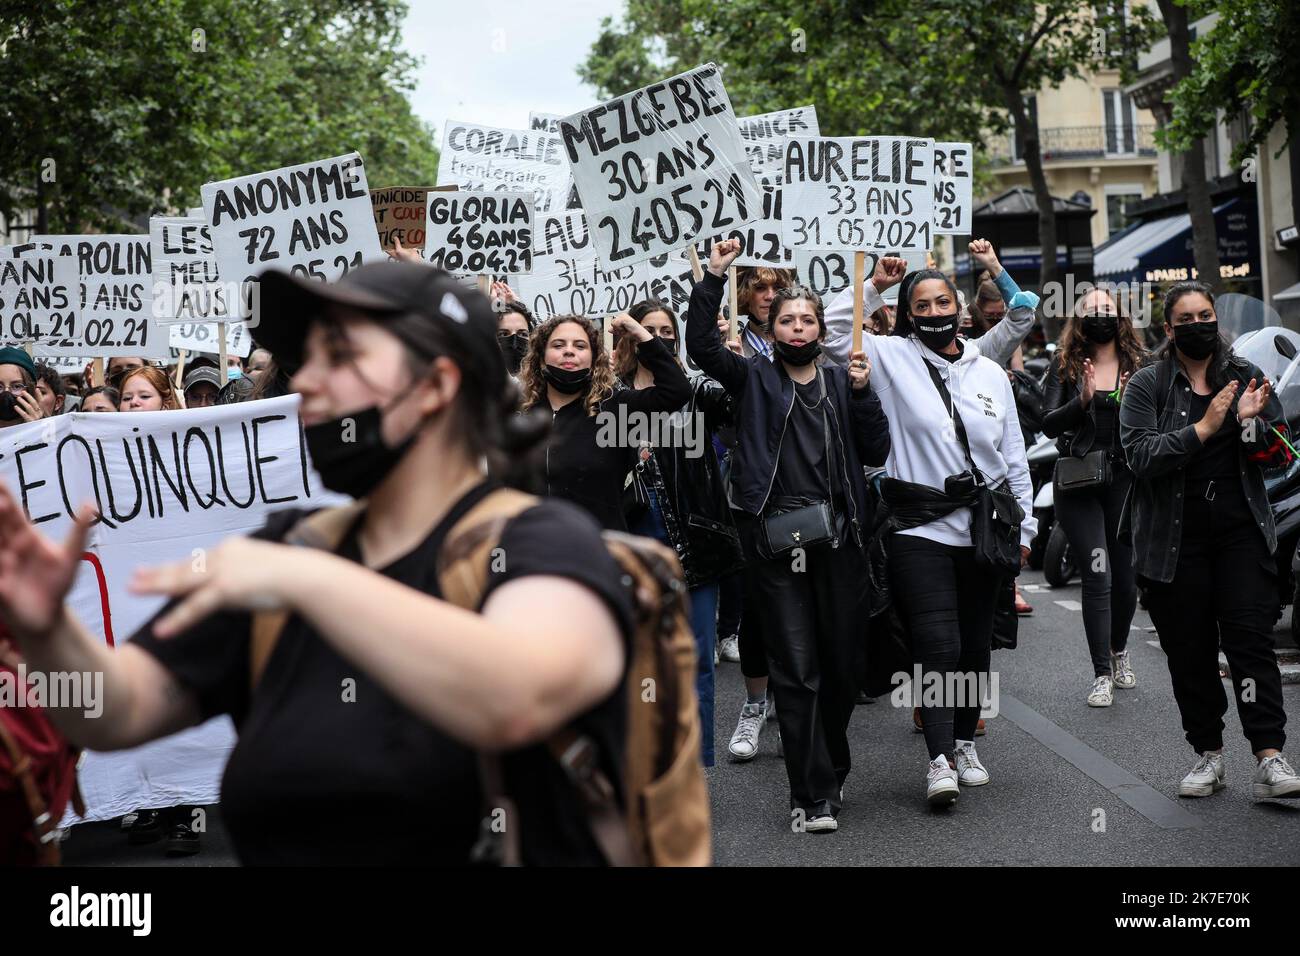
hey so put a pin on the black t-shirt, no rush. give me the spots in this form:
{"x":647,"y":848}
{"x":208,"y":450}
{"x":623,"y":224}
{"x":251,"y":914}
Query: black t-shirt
{"x":315,"y":779}
{"x":806,"y":464}
{"x":1217,"y":460}
{"x":1105,"y":412}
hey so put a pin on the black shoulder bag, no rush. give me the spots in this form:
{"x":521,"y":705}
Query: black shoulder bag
{"x":799,"y":523}
{"x":995,"y":513}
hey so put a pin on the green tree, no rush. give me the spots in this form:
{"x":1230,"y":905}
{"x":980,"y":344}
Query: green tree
{"x":948,"y":69}
{"x":113,"y":111}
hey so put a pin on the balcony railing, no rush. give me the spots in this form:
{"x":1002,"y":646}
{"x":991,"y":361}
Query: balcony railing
{"x":1080,"y":143}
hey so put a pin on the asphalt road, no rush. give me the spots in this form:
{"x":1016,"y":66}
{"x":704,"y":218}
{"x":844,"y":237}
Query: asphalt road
{"x":1071,"y":785}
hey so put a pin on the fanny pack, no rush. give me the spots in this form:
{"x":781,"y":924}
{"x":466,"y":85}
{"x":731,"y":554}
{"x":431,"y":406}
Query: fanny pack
{"x":995,"y":513}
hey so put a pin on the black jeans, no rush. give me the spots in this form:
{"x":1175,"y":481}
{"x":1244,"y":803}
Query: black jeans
{"x":1091,"y":522}
{"x":814,"y":613}
{"x":731,"y":598}
{"x":947,"y":603}
{"x":1224,"y":594}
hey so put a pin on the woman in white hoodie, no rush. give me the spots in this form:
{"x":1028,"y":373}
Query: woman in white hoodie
{"x":944,"y":597}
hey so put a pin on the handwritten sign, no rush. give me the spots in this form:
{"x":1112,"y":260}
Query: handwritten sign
{"x":764,"y":135}
{"x":953,"y":201}
{"x":480,"y":232}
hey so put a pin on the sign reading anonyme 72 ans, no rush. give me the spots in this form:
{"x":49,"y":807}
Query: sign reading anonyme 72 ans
{"x":660,"y":167}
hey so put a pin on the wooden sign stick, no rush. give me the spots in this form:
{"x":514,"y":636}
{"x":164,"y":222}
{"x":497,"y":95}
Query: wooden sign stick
{"x":225,"y":369}
{"x":733,"y":301}
{"x":859,"y":277}
{"x":180,"y":367}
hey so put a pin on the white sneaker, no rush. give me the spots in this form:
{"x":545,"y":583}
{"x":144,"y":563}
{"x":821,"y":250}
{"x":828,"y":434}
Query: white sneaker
{"x":744,"y":742}
{"x":1275,"y":778}
{"x":822,"y":824}
{"x":970,"y":772}
{"x":1102,"y":693}
{"x":729,"y":649}
{"x":1122,"y":671}
{"x":1206,"y":777}
{"x":941,"y":783}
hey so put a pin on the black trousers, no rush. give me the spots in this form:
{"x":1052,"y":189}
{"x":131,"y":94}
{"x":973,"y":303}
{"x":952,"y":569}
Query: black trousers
{"x":814,"y":613}
{"x":1091,"y":522}
{"x":1223,"y":595}
{"x":947,"y":603}
{"x":731,"y":598}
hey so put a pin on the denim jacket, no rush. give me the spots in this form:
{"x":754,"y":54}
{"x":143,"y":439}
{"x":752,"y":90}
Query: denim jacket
{"x":1158,"y":441}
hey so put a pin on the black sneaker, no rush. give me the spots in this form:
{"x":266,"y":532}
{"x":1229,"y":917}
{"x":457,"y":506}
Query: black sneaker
{"x":182,"y":841}
{"x":146,"y":828}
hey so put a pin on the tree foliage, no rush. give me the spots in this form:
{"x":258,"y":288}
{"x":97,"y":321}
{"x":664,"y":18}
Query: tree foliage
{"x":112,"y":111}
{"x":1246,"y":62}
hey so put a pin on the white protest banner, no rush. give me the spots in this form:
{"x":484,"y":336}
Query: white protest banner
{"x":169,"y":486}
{"x":859,"y":193}
{"x":828,"y":273}
{"x":765,"y":135}
{"x":205,"y":337}
{"x":39,"y":296}
{"x":313,"y":220}
{"x":567,"y":278}
{"x":953,"y":201}
{"x":115,"y":314}
{"x":661,"y":167}
{"x":762,"y":242}
{"x":186,"y":284}
{"x":544,"y":122}
{"x":476,"y":158}
{"x":481,"y":232}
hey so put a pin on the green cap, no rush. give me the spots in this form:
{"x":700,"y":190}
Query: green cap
{"x":9,"y":355}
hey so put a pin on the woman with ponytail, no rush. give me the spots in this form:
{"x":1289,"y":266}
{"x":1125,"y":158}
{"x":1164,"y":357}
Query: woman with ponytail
{"x":952,"y":422}
{"x":1199,"y":425}
{"x":378,"y":695}
{"x":597,"y":423}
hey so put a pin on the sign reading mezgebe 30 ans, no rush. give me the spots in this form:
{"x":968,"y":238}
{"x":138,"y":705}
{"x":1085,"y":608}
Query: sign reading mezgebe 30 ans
{"x":660,"y":167}
{"x":170,"y":485}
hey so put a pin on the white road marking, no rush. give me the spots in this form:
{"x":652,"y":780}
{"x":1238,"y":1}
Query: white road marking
{"x":1069,"y":605}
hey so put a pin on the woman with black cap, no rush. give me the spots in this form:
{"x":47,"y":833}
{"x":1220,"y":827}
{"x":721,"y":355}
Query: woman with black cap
{"x":1199,"y":425}
{"x":597,"y":424}
{"x":18,"y":401}
{"x":363,"y":704}
{"x":804,"y":432}
{"x":951,"y":414}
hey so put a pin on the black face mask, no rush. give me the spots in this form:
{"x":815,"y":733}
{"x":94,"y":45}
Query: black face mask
{"x":354,"y":467}
{"x":568,"y":381}
{"x":513,"y":348}
{"x":936,"y":331}
{"x":1100,"y":328}
{"x":798,"y":354}
{"x":8,"y":406}
{"x":1196,"y":340}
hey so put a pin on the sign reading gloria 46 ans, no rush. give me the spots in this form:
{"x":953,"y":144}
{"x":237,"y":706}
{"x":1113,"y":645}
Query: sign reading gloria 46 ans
{"x":859,"y":193}
{"x":312,"y":220}
{"x":660,"y":167}
{"x":481,"y":233}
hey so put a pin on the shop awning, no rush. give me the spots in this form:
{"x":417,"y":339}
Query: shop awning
{"x":1161,"y":249}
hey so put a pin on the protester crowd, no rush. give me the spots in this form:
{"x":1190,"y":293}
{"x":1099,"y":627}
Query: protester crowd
{"x":824,"y":504}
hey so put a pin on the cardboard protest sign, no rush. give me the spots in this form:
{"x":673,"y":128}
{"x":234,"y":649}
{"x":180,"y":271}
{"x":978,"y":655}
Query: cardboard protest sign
{"x":115,"y":311}
{"x":661,"y":167}
{"x":567,"y":277}
{"x":762,"y":242}
{"x":476,"y":158}
{"x":206,"y":337}
{"x":399,"y":214}
{"x":312,"y":220}
{"x":544,"y":122}
{"x":186,"y":284}
{"x":165,"y":483}
{"x":39,"y":297}
{"x":872,"y":192}
{"x":828,"y":273}
{"x":480,"y":232}
{"x":765,"y":134}
{"x":953,"y":200}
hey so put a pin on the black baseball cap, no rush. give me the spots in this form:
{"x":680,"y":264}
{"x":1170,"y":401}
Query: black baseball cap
{"x":385,"y":292}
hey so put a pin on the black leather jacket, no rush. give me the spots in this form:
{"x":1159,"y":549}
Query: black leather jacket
{"x":1065,"y":419}
{"x":691,"y":493}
